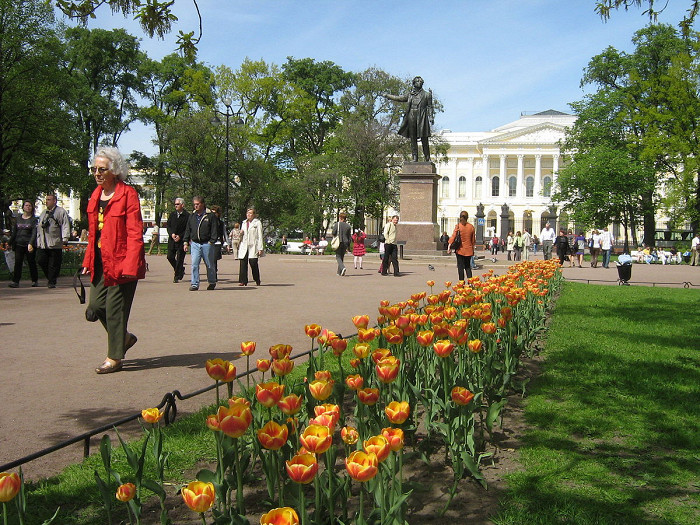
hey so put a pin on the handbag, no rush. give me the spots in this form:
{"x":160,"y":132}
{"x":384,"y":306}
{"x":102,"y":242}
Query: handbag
{"x":335,"y":242}
{"x":382,"y":238}
{"x":457,"y":243}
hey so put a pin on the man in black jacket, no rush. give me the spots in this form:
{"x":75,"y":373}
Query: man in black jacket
{"x":201,"y":234}
{"x":177,"y":224}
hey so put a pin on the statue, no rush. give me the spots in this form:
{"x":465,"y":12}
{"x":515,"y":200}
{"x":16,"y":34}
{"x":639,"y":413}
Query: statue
{"x":418,"y":117}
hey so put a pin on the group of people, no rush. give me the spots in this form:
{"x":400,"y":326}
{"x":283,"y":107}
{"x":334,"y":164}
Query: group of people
{"x":571,"y":247}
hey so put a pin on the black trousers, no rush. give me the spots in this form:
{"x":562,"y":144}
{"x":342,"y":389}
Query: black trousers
{"x":49,"y":260}
{"x":20,"y":253}
{"x":391,"y":256}
{"x":243,"y":270}
{"x":176,"y":258}
{"x":464,"y":264}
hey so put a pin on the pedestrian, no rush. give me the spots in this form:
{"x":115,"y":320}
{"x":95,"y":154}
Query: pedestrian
{"x":391,"y":254}
{"x":443,"y":240}
{"x":695,"y":250}
{"x":114,"y":257}
{"x":561,"y":243}
{"x":53,"y":232}
{"x":547,"y":236}
{"x":527,"y":243}
{"x":342,"y":230}
{"x":494,"y":245}
{"x":509,"y":245}
{"x":251,"y":248}
{"x":176,"y":226}
{"x":580,"y":248}
{"x":155,"y":240}
{"x":358,"y":247}
{"x":594,"y":245}
{"x":535,"y":244}
{"x":23,"y":242}
{"x":381,"y":249}
{"x":235,"y":239}
{"x":606,"y":245}
{"x":200,"y":235}
{"x":465,"y":251}
{"x":517,"y":246}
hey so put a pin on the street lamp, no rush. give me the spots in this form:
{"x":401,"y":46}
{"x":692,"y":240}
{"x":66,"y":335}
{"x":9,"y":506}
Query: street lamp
{"x":239,"y":122}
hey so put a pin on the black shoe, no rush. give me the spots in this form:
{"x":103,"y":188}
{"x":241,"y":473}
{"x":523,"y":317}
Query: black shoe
{"x":397,"y":274}
{"x":211,"y":286}
{"x":194,"y":288}
{"x":13,"y":285}
{"x":35,"y":284}
{"x":257,"y":282}
{"x":51,"y":285}
{"x":175,"y":279}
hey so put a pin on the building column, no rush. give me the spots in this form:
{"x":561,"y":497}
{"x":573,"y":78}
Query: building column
{"x":538,"y":176}
{"x":519,"y":187}
{"x":470,"y":179}
{"x":485,"y":177}
{"x":502,"y":176}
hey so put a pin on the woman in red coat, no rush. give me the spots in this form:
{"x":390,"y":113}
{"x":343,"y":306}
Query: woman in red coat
{"x":465,"y":252}
{"x":114,"y":257}
{"x":358,"y":248}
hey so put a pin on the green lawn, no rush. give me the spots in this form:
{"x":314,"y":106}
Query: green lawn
{"x":616,"y":413}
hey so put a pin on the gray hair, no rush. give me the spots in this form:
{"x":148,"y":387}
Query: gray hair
{"x":118,"y":164}
{"x":180,"y":200}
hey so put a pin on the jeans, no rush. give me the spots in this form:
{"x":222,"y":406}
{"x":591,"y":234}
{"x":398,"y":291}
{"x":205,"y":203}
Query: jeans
{"x":606,"y":258}
{"x":199,"y":252}
{"x":339,"y":256}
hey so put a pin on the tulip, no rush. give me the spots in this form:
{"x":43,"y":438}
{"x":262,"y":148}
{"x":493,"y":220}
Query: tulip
{"x":461,"y":396}
{"x":280,"y":351}
{"x":360,"y":321}
{"x":273,"y":436}
{"x":354,"y":381}
{"x":126,"y":492}
{"x":507,"y":313}
{"x":393,"y":312}
{"x":355,"y":362}
{"x":302,"y":468}
{"x":326,"y":337}
{"x":488,"y":328}
{"x":282,"y":367}
{"x":247,"y":347}
{"x":393,"y":334}
{"x":263,"y":365}
{"x":368,"y":396}
{"x":450,"y":312}
{"x":379,"y":446}
{"x":457,"y":332}
{"x":339,"y":346}
{"x":321,"y":389}
{"x":280,"y":516}
{"x":418,"y":296}
{"x":328,"y":409}
{"x":316,"y":439}
{"x":397,"y":411}
{"x":9,"y":486}
{"x":443,"y":348}
{"x":475,"y":345}
{"x":349,"y":435}
{"x":388,"y":369}
{"x":379,"y":354}
{"x":220,"y":370}
{"x":199,"y":496}
{"x":502,"y":322}
{"x":290,"y":404}
{"x":425,"y":337}
{"x":312,"y":330}
{"x":323,"y":375}
{"x":440,"y":329}
{"x":395,"y":438}
{"x":232,"y":421}
{"x":365,"y":335}
{"x":151,"y":415}
{"x":269,"y":394}
{"x":236,"y":399}
{"x":433,"y":299}
{"x":325,"y":420}
{"x":362,"y":466}
{"x":430,"y":283}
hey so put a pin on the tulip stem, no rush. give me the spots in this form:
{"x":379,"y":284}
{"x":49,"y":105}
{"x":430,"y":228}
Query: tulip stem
{"x":360,"y":517}
{"x":247,"y":369}
{"x":4,"y":513}
{"x":239,"y":479}
{"x":204,"y":520}
{"x":302,"y":505}
{"x":218,"y":402}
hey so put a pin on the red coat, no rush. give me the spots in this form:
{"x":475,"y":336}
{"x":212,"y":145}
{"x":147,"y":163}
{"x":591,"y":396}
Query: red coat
{"x":121,"y":240}
{"x":358,"y":249}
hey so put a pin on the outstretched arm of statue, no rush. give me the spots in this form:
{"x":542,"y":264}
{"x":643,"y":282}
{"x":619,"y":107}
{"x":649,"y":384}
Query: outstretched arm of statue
{"x":395,"y":98}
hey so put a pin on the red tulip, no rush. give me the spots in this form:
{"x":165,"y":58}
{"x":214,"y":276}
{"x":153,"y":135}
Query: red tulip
{"x":232,"y":421}
{"x":221,"y":370}
{"x":393,"y":334}
{"x":362,"y":466}
{"x":316,"y":439}
{"x":312,"y":330}
{"x":443,"y":348}
{"x":199,"y":496}
{"x":126,"y":492}
{"x":263,"y":365}
{"x":328,"y":409}
{"x":365,"y":335}
{"x":248,"y":347}
{"x":475,"y":345}
{"x":280,"y":516}
{"x":282,"y":367}
{"x":290,"y":404}
{"x":273,"y":436}
{"x":397,"y":412}
{"x":368,"y":396}
{"x":326,"y":337}
{"x":302,"y":468}
{"x":269,"y":394}
{"x":461,"y":396}
{"x":339,"y":346}
{"x":280,"y":351}
{"x":488,"y":328}
{"x":360,"y":321}
{"x":388,"y":369}
{"x":354,"y":381}
{"x":378,"y":445}
{"x":321,"y":389}
{"x":323,"y":375}
{"x":395,"y":438}
{"x":379,"y":354}
{"x":425,"y":338}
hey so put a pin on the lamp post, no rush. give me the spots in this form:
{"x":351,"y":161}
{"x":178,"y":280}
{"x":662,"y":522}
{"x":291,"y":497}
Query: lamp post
{"x":239,"y":122}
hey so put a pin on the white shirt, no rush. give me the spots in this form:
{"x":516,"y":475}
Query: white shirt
{"x":606,"y":240}
{"x":695,"y":242}
{"x":548,"y":234}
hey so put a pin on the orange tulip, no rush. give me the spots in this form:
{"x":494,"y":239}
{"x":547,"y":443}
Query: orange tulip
{"x":282,"y":367}
{"x":290,"y":404}
{"x":365,"y":335}
{"x":269,"y":394}
{"x":443,"y":348}
{"x":312,"y":330}
{"x":430,"y":283}
{"x":126,"y":492}
{"x":325,"y":420}
{"x":316,"y":438}
{"x":395,"y":438}
{"x":151,"y":415}
{"x":248,"y":347}
{"x":328,"y":409}
{"x":199,"y":496}
{"x":302,"y":468}
{"x":457,"y":332}
{"x":339,"y":346}
{"x":362,"y":466}
{"x":280,"y":351}
{"x":280,"y":516}
{"x":440,"y":329}
{"x":263,"y":365}
{"x":236,"y":399}
{"x":378,"y":445}
{"x":273,"y":436}
{"x":425,"y":337}
{"x":368,"y":396}
{"x":232,"y":421}
{"x":9,"y":486}
{"x":355,"y":362}
{"x":323,"y":375}
{"x":461,"y":396}
{"x":475,"y":345}
{"x":354,"y":381}
{"x":418,"y":296}
{"x":488,"y":328}
{"x":507,"y":312}
{"x":393,"y":334}
{"x":321,"y":389}
{"x":388,"y":369}
{"x":379,"y":354}
{"x":502,"y":322}
{"x":326,"y":337}
{"x":393,"y":312}
{"x":397,"y":411}
{"x":349,"y":435}
{"x":220,"y":370}
{"x":448,"y":284}
{"x":360,"y":321}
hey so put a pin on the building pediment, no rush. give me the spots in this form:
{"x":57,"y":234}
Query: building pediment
{"x":545,"y":133}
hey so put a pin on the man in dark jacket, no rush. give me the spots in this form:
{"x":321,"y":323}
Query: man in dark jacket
{"x":177,"y":224}
{"x":201,"y":234}
{"x":342,"y":230}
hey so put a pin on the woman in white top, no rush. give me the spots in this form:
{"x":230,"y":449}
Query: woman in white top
{"x":251,"y":248}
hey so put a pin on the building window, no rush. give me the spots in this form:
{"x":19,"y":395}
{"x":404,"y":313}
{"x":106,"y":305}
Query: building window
{"x":443,"y":224}
{"x":445,"y":187}
{"x":530,"y":187}
{"x":547,"y":186}
{"x":462,"y":187}
{"x":495,"y":186}
{"x":477,"y":187}
{"x":512,"y":186}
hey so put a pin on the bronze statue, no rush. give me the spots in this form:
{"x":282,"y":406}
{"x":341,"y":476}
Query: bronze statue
{"x":418,"y":117}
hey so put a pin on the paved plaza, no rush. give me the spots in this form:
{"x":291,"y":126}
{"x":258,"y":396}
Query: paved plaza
{"x":50,"y":391}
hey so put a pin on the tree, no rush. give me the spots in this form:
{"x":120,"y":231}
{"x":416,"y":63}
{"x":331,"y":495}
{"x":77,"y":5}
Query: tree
{"x":605,"y":7}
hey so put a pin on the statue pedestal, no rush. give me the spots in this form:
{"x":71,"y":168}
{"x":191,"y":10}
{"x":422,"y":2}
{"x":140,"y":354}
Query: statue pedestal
{"x":418,"y":204}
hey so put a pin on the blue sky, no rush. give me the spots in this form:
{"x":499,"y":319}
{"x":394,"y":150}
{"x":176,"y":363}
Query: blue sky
{"x":486,"y":60}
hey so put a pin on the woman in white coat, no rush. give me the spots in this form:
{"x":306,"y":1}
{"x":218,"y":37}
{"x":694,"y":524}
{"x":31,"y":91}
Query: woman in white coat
{"x":251,"y":248}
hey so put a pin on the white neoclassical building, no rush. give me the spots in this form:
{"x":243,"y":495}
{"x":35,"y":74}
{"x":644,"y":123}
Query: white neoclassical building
{"x":514,"y":165}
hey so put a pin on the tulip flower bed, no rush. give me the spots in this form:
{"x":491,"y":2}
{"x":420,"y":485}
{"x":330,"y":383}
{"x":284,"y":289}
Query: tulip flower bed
{"x":432,"y":375}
